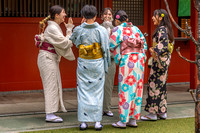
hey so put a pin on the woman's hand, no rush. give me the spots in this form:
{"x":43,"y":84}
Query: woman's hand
{"x":69,"y":26}
{"x":153,"y":53}
{"x":70,"y":21}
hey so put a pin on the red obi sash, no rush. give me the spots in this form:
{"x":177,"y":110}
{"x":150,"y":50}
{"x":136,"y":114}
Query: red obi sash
{"x":48,"y":47}
{"x":132,"y":45}
{"x":44,"y":45}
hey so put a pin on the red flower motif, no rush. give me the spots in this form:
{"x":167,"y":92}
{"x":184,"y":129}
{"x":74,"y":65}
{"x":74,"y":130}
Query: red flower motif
{"x":137,"y":116}
{"x":130,"y":80}
{"x":120,"y":111}
{"x":140,"y":84}
{"x":134,"y":58}
{"x":142,"y":61}
{"x":127,"y":31}
{"x":122,"y":99}
{"x":140,"y":93}
{"x":132,"y":109}
{"x":113,"y":37}
{"x":114,"y":52}
{"x":137,"y":35}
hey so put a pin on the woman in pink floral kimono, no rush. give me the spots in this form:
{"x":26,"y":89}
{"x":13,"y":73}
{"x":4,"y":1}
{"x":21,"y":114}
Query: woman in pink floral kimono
{"x":129,"y":47}
{"x":156,"y":104}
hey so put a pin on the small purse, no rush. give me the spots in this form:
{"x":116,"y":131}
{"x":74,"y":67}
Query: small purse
{"x":150,"y":61}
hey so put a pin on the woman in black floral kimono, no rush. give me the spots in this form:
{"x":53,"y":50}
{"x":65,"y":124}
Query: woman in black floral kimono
{"x":163,"y":38}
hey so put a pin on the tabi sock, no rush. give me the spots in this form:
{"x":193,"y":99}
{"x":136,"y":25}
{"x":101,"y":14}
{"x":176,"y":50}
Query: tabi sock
{"x":97,"y":124}
{"x":51,"y":116}
{"x":83,"y":125}
{"x":121,"y":124}
{"x":163,"y":115}
{"x":152,"y":116}
{"x":132,"y":121}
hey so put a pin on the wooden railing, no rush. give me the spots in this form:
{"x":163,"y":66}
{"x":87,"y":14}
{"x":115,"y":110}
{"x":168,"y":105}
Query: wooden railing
{"x":40,"y":8}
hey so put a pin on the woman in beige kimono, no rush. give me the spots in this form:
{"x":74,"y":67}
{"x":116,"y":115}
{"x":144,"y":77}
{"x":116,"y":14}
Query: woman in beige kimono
{"x":107,"y":18}
{"x":53,"y":44}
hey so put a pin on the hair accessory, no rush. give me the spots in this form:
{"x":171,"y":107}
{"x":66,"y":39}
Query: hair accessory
{"x":162,"y":15}
{"x":117,"y":16}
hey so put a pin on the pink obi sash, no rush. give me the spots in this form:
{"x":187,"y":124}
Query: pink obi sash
{"x":44,"y":45}
{"x":48,"y":47}
{"x":132,"y":45}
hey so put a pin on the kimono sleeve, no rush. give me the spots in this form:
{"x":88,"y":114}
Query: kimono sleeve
{"x":57,"y":39}
{"x":142,"y":36}
{"x":162,"y":45}
{"x":105,"y":47}
{"x":115,"y":40}
{"x":61,"y":43}
{"x":75,"y":37}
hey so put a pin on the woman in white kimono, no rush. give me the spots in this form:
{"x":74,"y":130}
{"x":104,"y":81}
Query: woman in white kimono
{"x":94,"y":57}
{"x":53,"y":44}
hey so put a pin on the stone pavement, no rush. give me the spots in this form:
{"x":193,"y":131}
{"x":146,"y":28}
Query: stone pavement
{"x":25,"y":111}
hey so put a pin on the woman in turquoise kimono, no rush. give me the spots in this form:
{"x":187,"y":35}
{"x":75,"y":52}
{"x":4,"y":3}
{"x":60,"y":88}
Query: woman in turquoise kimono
{"x":163,"y":37}
{"x":94,"y":58}
{"x":129,"y":47}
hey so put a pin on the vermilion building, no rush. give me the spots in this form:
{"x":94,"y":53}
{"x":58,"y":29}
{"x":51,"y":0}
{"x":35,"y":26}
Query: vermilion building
{"x":19,"y":23}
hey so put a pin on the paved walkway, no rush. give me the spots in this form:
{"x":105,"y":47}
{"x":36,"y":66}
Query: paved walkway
{"x":25,"y":112}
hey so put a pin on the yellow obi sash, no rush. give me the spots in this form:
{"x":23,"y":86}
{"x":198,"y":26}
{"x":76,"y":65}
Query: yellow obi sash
{"x":170,"y":46}
{"x":91,"y":51}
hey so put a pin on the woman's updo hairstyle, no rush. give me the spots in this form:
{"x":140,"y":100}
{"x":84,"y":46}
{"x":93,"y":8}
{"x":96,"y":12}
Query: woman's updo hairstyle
{"x":120,"y":15}
{"x":52,"y":11}
{"x":55,"y":10}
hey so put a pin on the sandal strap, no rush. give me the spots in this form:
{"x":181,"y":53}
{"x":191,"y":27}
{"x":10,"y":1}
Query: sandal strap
{"x":119,"y":125}
{"x":148,"y":117}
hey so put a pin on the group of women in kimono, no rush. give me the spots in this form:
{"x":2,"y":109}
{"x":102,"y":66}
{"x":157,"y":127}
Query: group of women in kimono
{"x":101,"y":47}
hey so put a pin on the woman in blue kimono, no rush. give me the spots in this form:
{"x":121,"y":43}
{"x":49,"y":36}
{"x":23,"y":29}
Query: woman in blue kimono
{"x":92,"y":40}
{"x":129,"y":47}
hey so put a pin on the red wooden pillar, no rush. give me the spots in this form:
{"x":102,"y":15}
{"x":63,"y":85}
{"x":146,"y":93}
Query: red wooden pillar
{"x":193,"y":69}
{"x":108,"y":3}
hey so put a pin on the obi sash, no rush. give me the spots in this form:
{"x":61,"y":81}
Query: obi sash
{"x":44,"y":45}
{"x":93,"y":51}
{"x":170,"y":46}
{"x":48,"y":47}
{"x":132,"y":45}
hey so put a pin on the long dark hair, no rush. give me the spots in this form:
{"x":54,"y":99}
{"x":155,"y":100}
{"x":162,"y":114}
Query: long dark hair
{"x":55,"y":10}
{"x":164,"y":22}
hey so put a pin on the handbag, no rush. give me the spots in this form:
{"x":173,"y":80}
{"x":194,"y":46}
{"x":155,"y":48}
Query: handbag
{"x":150,"y":61}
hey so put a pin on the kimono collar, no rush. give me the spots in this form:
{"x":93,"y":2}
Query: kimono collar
{"x":50,"y":22}
{"x":85,"y":25}
{"x":126,"y":24}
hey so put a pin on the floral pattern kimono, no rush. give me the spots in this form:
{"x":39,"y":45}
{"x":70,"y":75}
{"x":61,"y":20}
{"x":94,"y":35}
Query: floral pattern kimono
{"x":157,"y":92}
{"x":131,"y":71}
